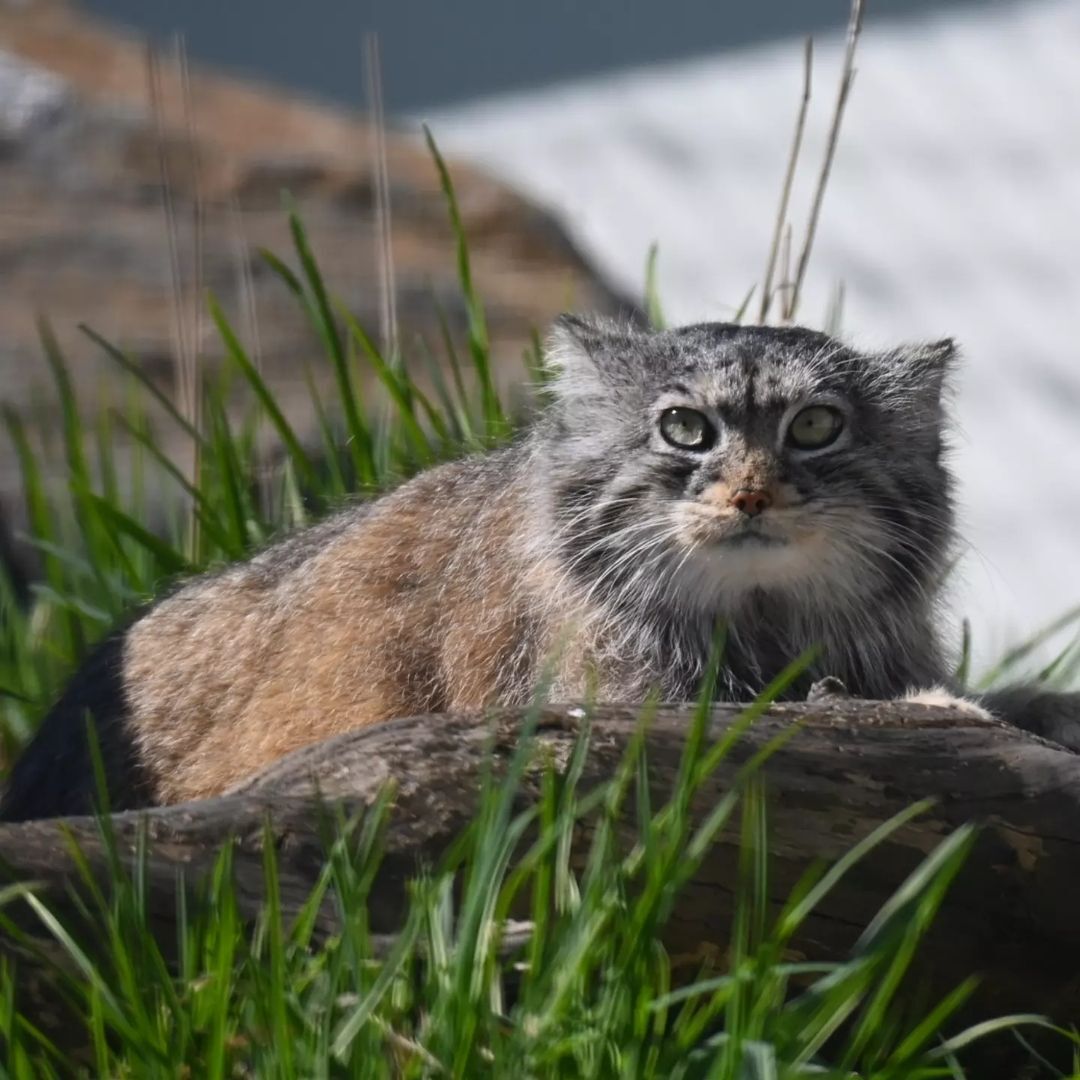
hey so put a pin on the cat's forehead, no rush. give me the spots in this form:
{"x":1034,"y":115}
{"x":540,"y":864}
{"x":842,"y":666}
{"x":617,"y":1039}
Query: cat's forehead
{"x":758,"y":365}
{"x":753,"y":368}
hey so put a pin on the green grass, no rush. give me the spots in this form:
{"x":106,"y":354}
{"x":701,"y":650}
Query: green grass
{"x":101,"y":557}
{"x":587,"y":991}
{"x":582,"y":988}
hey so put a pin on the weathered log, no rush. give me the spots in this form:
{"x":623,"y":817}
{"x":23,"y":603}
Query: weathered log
{"x":1011,"y":916}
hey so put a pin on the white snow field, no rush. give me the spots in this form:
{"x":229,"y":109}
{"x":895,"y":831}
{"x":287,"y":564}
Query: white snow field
{"x":953,"y":210}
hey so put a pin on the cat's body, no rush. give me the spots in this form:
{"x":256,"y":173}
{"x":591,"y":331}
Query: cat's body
{"x":772,"y":480}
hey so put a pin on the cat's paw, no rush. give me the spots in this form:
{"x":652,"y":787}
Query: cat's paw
{"x":944,"y":698}
{"x":829,"y":688}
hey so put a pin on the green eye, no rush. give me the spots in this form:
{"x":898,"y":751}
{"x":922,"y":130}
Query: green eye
{"x":815,"y":427}
{"x":687,"y":429}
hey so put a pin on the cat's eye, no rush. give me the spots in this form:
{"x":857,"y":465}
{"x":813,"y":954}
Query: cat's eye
{"x":815,"y":427}
{"x":687,"y":428}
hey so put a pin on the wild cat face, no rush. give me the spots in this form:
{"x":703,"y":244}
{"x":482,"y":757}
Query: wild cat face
{"x":711,"y":461}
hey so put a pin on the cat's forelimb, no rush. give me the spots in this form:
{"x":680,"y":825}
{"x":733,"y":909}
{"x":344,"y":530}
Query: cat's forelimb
{"x":1051,"y":714}
{"x":943,"y":698}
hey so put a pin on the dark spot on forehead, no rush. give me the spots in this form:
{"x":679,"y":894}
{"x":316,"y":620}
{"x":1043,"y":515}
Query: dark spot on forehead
{"x":769,"y":391}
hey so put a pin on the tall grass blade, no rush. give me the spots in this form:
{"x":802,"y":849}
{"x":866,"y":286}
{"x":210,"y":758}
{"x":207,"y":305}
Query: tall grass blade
{"x":654,"y":310}
{"x":479,"y":344}
{"x":237,"y":354}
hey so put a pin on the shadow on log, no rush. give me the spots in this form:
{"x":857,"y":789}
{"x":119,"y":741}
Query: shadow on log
{"x":1011,"y":917}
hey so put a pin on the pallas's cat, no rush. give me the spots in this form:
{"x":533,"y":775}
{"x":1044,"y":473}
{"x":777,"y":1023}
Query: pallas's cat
{"x":772,"y":480}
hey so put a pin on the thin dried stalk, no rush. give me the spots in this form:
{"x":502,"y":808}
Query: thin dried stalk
{"x":834,"y":317}
{"x":847,"y":77}
{"x":250,"y":314}
{"x":194,"y":375}
{"x":247,"y":284}
{"x":186,"y":368}
{"x":180,"y":343}
{"x":789,"y":177}
{"x":784,"y":285}
{"x":388,"y":323}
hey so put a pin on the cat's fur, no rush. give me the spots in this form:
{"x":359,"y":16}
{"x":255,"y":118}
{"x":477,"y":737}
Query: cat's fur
{"x":591,"y":542}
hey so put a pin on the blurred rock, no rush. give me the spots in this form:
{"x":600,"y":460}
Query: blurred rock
{"x":29,"y":97}
{"x":84,"y":234}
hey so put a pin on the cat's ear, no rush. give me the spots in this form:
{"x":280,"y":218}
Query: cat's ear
{"x":926,"y":368}
{"x":585,"y":354}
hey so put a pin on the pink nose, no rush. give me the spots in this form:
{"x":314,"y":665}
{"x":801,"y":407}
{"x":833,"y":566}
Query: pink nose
{"x":750,"y":502}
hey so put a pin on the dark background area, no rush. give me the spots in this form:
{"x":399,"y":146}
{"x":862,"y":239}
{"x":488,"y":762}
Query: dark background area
{"x":439,"y":52}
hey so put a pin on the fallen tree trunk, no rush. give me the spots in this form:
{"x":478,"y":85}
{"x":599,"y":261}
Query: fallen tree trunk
{"x":1011,"y":916}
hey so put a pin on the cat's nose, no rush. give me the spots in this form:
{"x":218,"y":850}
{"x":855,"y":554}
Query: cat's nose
{"x":750,"y":501}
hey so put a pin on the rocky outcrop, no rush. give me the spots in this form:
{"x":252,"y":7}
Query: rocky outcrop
{"x":84,"y":235}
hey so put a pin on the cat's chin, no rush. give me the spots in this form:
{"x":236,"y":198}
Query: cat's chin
{"x":723,"y":569}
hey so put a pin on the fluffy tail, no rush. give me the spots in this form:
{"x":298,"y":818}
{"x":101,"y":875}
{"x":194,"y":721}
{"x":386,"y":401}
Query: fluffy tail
{"x":54,"y":776}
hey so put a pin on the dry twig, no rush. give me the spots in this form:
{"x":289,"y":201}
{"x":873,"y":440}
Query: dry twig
{"x":388,"y":323}
{"x":789,"y":177}
{"x":847,"y":77}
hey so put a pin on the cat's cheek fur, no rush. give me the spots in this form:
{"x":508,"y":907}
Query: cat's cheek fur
{"x":942,"y":697}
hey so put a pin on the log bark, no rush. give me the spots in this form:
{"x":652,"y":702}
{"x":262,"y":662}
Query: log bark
{"x":1012,"y":917}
